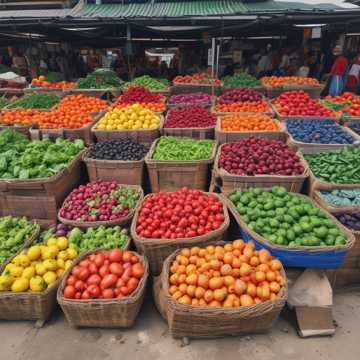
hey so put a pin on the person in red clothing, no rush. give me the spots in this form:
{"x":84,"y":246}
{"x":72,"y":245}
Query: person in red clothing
{"x":354,"y":74}
{"x":337,"y":73}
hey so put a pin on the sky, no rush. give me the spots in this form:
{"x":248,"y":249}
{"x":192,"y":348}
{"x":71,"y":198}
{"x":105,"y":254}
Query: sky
{"x":336,"y":2}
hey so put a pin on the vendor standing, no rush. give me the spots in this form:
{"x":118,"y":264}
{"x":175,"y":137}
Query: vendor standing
{"x":337,"y":72}
{"x":354,"y":74}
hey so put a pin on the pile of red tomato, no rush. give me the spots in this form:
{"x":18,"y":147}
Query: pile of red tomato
{"x":183,"y":213}
{"x":105,"y":275}
{"x":351,"y":101}
{"x":299,"y":103}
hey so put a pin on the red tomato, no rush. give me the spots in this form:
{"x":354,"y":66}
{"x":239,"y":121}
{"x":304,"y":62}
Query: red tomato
{"x":115,"y":255}
{"x":93,"y":279}
{"x":104,"y":270}
{"x":127,"y":256}
{"x":138,"y":270}
{"x":120,"y":283}
{"x":132,"y":283}
{"x":127,"y":275}
{"x":80,"y":285}
{"x":76,"y":270}
{"x":85,"y":295}
{"x":93,"y":290}
{"x":116,"y":268}
{"x":84,"y":274}
{"x":92,"y":257}
{"x":84,"y":263}
{"x":134,"y":259}
{"x":99,"y":260}
{"x":108,"y":281}
{"x":107,"y":293}
{"x":106,"y":262}
{"x":78,"y":295}
{"x":71,"y":280}
{"x":125,"y":290}
{"x":69,"y":292}
{"x":127,"y":265}
{"x":93,"y":268}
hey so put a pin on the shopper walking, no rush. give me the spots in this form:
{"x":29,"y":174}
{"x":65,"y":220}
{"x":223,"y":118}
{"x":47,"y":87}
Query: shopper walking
{"x":337,"y":72}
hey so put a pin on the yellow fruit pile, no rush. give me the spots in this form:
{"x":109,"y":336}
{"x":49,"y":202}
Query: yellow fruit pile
{"x":38,"y":267}
{"x":131,"y":117}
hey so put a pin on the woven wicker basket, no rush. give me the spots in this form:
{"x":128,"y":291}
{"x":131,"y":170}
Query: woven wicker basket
{"x":157,"y":250}
{"x":105,"y":313}
{"x":180,"y":88}
{"x":222,"y":136}
{"x":170,"y":175}
{"x":118,"y":222}
{"x":303,"y":117}
{"x":206,"y":322}
{"x":298,"y":256}
{"x":228,"y":182}
{"x":124,"y":172}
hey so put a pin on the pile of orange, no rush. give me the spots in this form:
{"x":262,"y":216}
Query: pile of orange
{"x":244,"y":107}
{"x":19,"y":116}
{"x":255,"y":122}
{"x":41,"y":82}
{"x":232,"y":275}
{"x":285,"y":80}
{"x":73,"y":112}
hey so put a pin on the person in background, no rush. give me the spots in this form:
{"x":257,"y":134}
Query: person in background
{"x":337,"y":72}
{"x":354,"y":73}
{"x":304,"y":69}
{"x":229,"y":69}
{"x":164,"y":70}
{"x":284,"y":63}
{"x":264,"y":65}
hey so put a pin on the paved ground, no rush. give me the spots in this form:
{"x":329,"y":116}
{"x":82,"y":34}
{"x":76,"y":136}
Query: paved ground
{"x":150,"y":340}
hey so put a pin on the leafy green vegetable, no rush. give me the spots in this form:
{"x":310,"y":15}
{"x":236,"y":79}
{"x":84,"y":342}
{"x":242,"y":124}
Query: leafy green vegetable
{"x":240,"y":80}
{"x":54,"y":77}
{"x":100,"y":80}
{"x":3,"y":102}
{"x":174,"y":148}
{"x":149,"y":83}
{"x":36,"y":101}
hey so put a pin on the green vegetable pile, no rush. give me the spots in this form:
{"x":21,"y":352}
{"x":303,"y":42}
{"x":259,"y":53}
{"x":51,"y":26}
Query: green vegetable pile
{"x":284,"y":218}
{"x":240,"y":80}
{"x":13,"y":234}
{"x":54,"y":77}
{"x":342,"y":197}
{"x":95,"y":238}
{"x":3,"y":102}
{"x":149,"y":83}
{"x":338,"y":166}
{"x":36,"y":101}
{"x":175,"y":148}
{"x":23,"y":159}
{"x":100,"y":80}
{"x":336,"y":106}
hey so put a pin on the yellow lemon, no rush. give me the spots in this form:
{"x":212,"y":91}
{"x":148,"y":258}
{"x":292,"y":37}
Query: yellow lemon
{"x":68,"y":263}
{"x":50,"y":253}
{"x":16,"y":271}
{"x":49,"y":277}
{"x":63,"y":255}
{"x":8,"y":267}
{"x":5,"y":282}
{"x":60,"y":263}
{"x":50,"y":264}
{"x":59,"y":273}
{"x":37,"y":284}
{"x":62,"y":243}
{"x":20,"y":285}
{"x":72,"y":253}
{"x":28,"y":272}
{"x":51,"y":241}
{"x":34,"y":252}
{"x":40,"y":269}
{"x":21,"y":260}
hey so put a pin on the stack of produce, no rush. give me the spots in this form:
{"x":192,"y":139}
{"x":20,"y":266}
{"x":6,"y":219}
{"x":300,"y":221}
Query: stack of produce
{"x":73,"y":112}
{"x":100,"y":201}
{"x":13,"y":234}
{"x":25,"y":117}
{"x":125,"y":150}
{"x":201,"y":78}
{"x":244,"y":107}
{"x":149,"y":83}
{"x":299,"y":103}
{"x":259,"y":156}
{"x":35,"y":101}
{"x":144,"y":97}
{"x":190,"y":117}
{"x":284,"y":218}
{"x":229,"y":276}
{"x":342,"y":197}
{"x":22,"y":159}
{"x":240,"y":95}
{"x":347,"y":104}
{"x":184,"y":213}
{"x":105,"y":275}
{"x":256,"y":122}
{"x":132,"y":117}
{"x":173,"y":148}
{"x":100,"y":79}
{"x":318,"y":132}
{"x":350,"y":220}
{"x":338,"y":166}
{"x":98,"y":238}
{"x":55,"y":231}
{"x":196,"y":98}
{"x":39,"y":267}
{"x":42,"y":82}
{"x":241,"y":80}
{"x":288,"y":80}
{"x":54,"y":76}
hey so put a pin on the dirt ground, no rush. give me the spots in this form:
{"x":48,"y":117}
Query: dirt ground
{"x":150,"y":340}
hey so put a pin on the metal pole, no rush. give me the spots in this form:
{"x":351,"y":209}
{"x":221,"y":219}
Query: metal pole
{"x":213,"y":57}
{"x":217,"y":60}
